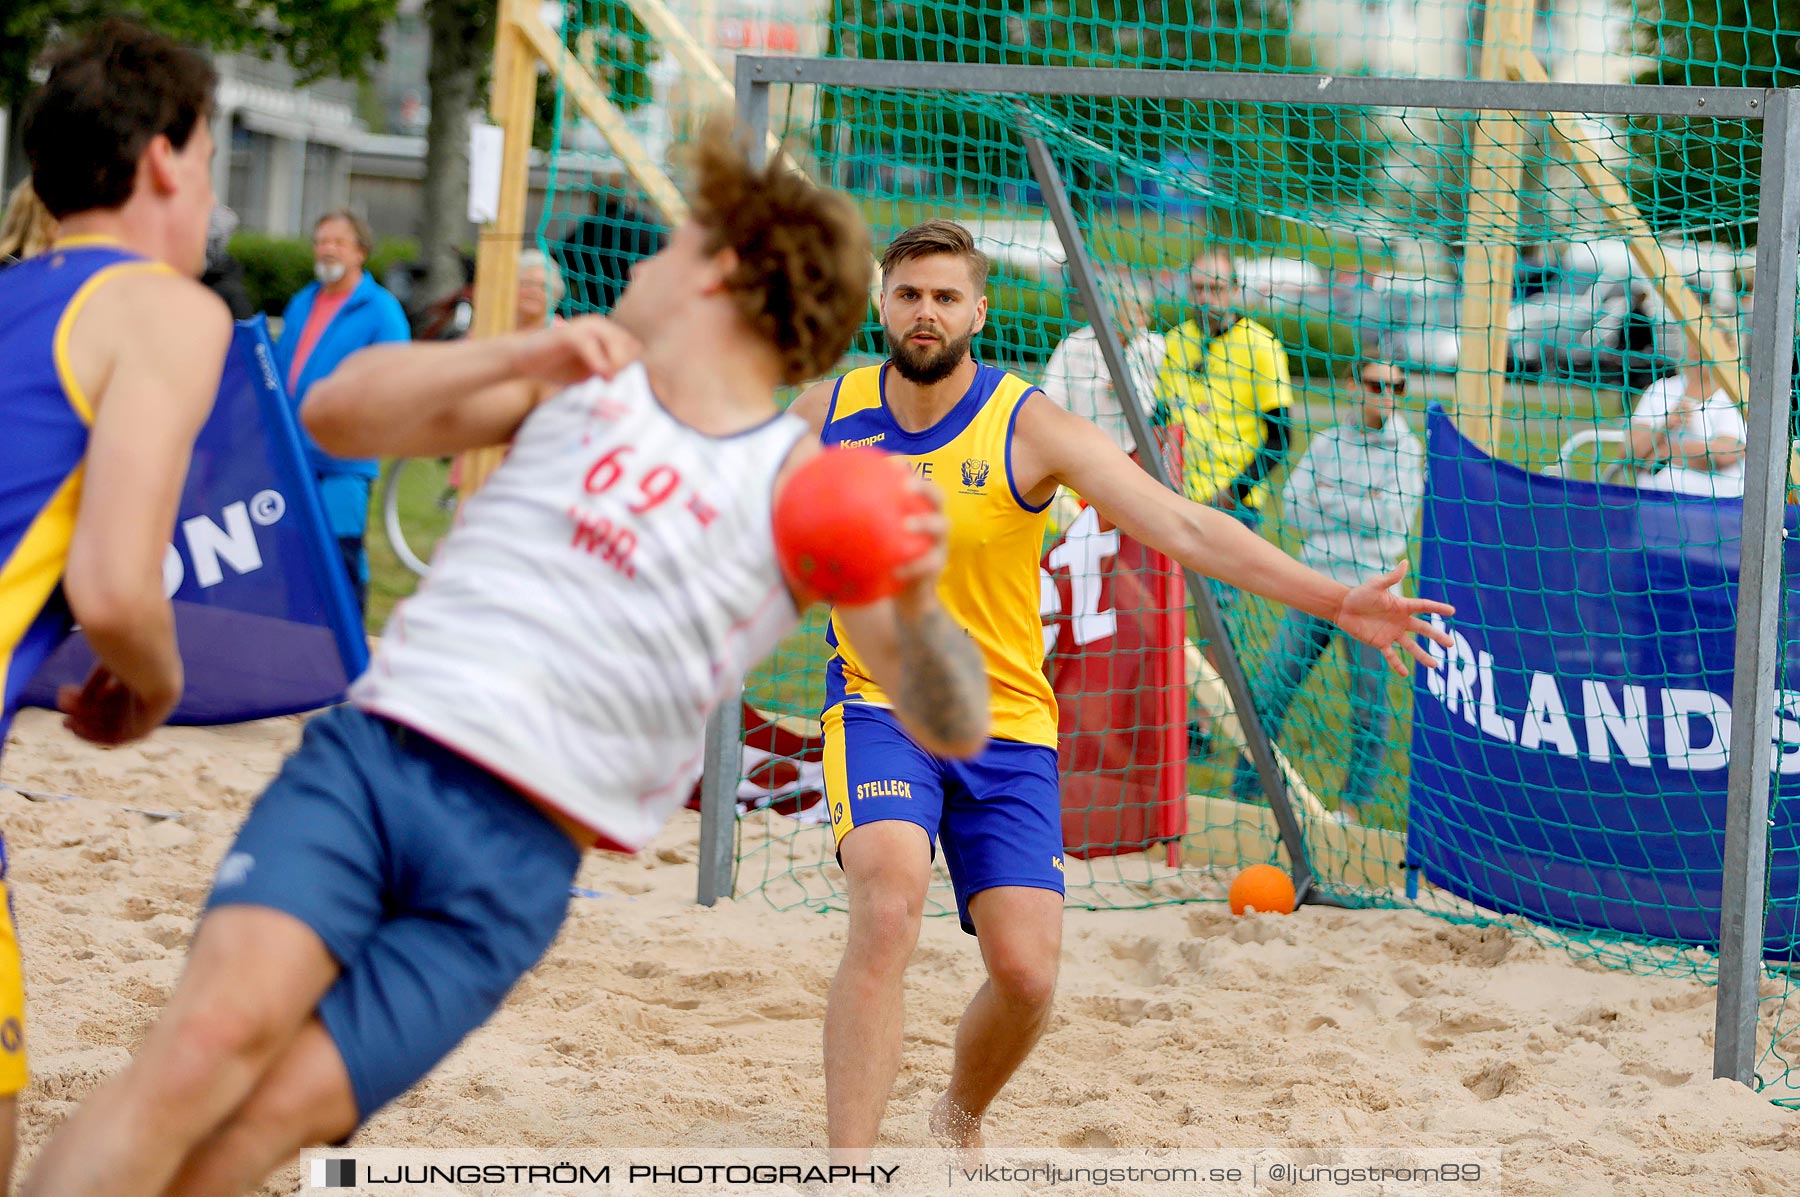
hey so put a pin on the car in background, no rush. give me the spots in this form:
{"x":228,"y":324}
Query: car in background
{"x":1281,"y":282}
{"x":878,"y":173}
{"x":1027,"y":250}
{"x":1577,"y":327}
{"x":1420,"y":325}
{"x":1710,"y":269}
{"x":1557,"y":316}
{"x":1175,"y":187}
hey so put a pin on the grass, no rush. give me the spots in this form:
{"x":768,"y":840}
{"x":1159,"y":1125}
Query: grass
{"x":422,"y":486}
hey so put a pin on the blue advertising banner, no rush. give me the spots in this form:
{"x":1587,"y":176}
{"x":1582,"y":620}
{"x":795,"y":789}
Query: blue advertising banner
{"x":264,"y":614}
{"x":1569,"y":753}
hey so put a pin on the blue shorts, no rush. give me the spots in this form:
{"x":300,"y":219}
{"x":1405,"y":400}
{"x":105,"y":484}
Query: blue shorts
{"x":999,"y":816}
{"x":433,"y":883}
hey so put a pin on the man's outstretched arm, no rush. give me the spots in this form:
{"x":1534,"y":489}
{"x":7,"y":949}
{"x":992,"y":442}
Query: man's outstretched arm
{"x":1051,"y":444}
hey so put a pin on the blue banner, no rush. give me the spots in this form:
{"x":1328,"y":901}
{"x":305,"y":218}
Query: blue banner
{"x":1569,"y":755}
{"x":264,"y":613}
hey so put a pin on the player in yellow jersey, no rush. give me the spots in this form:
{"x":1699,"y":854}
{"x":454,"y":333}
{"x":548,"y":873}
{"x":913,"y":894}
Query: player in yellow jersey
{"x":999,"y":449}
{"x":112,"y":353}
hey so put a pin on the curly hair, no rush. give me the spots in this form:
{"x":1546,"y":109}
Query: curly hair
{"x":804,"y":267}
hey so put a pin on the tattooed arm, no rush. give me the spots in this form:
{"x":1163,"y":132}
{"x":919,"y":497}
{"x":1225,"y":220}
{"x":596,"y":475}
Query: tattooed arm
{"x":932,"y":672}
{"x":929,"y":666}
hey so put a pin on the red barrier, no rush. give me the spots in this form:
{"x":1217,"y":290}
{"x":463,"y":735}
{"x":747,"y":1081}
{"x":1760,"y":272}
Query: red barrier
{"x":1120,"y":679}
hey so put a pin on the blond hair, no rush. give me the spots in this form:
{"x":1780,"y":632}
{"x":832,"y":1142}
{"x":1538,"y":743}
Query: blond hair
{"x":935,"y":237}
{"x":27,"y":229}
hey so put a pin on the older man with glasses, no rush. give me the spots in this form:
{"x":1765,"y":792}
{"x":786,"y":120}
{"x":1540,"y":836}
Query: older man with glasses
{"x":1354,"y":494}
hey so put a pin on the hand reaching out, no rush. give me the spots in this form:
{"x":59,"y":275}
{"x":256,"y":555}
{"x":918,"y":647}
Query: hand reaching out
{"x":920,"y":575}
{"x":1376,"y":615}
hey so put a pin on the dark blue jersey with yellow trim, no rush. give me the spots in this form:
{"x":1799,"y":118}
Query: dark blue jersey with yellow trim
{"x":45,"y":417}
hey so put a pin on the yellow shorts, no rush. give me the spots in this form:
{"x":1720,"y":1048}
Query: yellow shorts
{"x":13,"y":1073}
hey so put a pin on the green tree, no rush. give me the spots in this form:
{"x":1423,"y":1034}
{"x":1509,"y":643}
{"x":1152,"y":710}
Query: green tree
{"x":462,"y":46}
{"x":603,"y":34}
{"x":1698,"y":173}
{"x":318,"y":37}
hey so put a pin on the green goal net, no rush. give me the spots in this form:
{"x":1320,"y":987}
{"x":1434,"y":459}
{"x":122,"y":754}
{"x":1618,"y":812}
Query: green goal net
{"x":1299,"y":285}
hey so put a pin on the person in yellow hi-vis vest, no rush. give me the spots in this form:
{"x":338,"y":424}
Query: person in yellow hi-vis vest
{"x":1225,"y":379}
{"x":999,"y":449}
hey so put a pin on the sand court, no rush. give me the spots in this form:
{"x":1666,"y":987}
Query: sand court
{"x":655,"y":1022}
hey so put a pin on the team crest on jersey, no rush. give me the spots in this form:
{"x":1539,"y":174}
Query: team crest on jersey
{"x":974,"y":475}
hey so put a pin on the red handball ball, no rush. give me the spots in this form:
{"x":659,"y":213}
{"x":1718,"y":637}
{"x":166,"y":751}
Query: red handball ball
{"x":840,"y":525}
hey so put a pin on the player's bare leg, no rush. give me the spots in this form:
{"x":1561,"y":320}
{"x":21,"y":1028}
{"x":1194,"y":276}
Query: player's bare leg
{"x":9,"y":1140}
{"x":887,"y":865}
{"x":253,"y":978}
{"x":1020,"y":930}
{"x":304,"y":1099}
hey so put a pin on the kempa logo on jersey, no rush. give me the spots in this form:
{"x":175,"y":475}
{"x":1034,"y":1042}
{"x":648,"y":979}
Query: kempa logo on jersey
{"x":210,"y":546}
{"x":867,"y":440}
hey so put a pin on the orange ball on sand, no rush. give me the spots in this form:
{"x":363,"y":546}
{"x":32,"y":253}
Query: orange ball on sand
{"x":1264,"y":888}
{"x":840,"y":525}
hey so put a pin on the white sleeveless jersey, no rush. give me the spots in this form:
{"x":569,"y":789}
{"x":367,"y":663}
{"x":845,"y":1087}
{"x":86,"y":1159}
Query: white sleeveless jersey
{"x":599,"y":595}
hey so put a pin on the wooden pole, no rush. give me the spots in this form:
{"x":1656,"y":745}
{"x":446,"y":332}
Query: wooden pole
{"x":667,"y":28}
{"x":597,"y":106}
{"x":1715,"y":346}
{"x":1496,"y":170}
{"x":497,"y":257}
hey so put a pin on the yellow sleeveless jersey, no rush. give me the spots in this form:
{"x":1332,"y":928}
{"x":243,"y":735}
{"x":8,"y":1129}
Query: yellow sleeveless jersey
{"x":990,"y":583}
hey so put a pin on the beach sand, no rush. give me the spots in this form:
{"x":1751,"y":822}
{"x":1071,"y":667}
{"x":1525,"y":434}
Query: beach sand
{"x":656,"y":1022}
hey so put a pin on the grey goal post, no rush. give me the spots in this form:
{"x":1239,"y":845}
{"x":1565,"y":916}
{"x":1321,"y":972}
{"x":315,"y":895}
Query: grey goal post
{"x":1767,"y":401}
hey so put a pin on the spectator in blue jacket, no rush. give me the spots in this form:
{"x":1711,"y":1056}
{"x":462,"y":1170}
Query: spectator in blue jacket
{"x":330,"y":319}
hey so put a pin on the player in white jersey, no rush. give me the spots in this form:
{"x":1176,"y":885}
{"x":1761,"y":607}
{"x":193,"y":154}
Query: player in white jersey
{"x":544,"y":691}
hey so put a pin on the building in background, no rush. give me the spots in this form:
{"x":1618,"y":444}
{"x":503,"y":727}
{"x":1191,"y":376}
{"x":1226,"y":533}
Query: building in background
{"x":284,"y":151}
{"x":1579,"y":41}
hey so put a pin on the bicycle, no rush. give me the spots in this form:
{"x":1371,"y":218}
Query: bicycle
{"x":418,"y":505}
